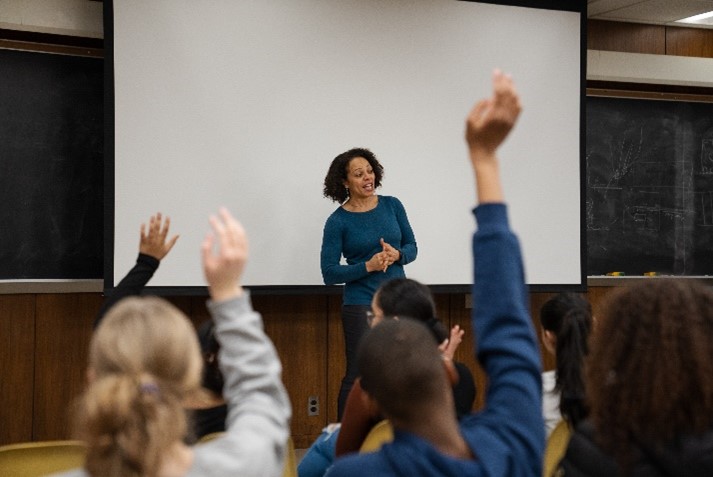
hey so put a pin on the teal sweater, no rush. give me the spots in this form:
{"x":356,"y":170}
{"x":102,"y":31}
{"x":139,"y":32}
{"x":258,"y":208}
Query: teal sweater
{"x":356,"y":235}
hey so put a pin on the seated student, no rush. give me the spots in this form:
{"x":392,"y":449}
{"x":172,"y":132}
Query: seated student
{"x":650,"y":385}
{"x":566,"y":320}
{"x":144,"y":360}
{"x":507,"y":437}
{"x":400,"y":297}
{"x":209,"y":411}
{"x":405,"y":298}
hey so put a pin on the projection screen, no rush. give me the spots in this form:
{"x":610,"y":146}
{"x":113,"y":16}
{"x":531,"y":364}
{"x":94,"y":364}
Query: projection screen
{"x":244,"y":103}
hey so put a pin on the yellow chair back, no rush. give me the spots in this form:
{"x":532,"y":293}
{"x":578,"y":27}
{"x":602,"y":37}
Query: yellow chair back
{"x":379,"y":435}
{"x":556,"y":448}
{"x":290,"y":460}
{"x":34,"y":459}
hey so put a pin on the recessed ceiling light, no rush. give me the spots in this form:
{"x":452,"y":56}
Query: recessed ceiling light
{"x":701,"y":19}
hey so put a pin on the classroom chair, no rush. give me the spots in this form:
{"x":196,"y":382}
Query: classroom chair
{"x":35,"y":459}
{"x":556,"y":448}
{"x":379,"y":435}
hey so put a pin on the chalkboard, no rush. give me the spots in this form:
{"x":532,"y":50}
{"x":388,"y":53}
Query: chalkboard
{"x":649,"y":187}
{"x":51,"y":166}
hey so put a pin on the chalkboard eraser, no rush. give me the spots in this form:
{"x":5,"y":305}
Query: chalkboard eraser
{"x":616,"y":274}
{"x":650,"y":274}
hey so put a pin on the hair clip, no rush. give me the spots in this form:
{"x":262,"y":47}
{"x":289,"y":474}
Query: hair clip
{"x":150,"y":388}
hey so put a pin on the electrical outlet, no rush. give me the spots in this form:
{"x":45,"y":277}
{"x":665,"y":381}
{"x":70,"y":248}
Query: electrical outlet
{"x":313,"y":406}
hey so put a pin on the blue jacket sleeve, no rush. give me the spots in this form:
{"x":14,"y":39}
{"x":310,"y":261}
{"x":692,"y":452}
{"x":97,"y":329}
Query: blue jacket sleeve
{"x":506,"y":343}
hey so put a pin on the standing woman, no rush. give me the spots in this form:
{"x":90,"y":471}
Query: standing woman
{"x":372,"y":233}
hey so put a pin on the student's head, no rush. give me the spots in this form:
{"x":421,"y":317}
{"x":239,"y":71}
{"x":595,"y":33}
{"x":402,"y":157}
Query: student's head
{"x":402,"y":370}
{"x":339,"y":176}
{"x":144,"y":359}
{"x":403,"y":297}
{"x":650,"y":372}
{"x":567,"y":322}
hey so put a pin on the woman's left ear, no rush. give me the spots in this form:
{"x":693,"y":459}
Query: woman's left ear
{"x":91,"y":375}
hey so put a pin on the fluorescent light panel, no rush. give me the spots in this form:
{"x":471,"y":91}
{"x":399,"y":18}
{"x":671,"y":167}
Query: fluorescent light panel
{"x":700,"y":19}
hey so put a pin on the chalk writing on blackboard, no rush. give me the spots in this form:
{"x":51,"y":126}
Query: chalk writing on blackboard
{"x":649,"y":204}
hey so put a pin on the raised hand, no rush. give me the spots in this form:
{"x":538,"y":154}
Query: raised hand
{"x":487,"y":126}
{"x":153,"y":238}
{"x":449,"y":346}
{"x":491,"y":119}
{"x":225,"y":253}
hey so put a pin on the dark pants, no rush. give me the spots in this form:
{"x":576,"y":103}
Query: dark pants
{"x":355,"y":326}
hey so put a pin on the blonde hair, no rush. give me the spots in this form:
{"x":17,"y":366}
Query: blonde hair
{"x":145,"y":359}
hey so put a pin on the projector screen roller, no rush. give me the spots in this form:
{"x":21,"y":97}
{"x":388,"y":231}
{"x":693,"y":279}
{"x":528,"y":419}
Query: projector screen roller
{"x":245,"y":104}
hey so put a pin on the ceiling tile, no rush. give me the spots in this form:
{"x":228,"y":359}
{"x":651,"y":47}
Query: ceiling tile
{"x":597,"y":7}
{"x":657,"y":11}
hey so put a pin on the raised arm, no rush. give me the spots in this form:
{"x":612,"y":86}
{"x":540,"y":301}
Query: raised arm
{"x":258,"y":406}
{"x":154,"y":245}
{"x":505,"y":338}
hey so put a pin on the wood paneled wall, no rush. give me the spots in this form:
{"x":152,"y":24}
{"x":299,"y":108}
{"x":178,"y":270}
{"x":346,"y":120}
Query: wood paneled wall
{"x":651,"y":39}
{"x":45,"y":338}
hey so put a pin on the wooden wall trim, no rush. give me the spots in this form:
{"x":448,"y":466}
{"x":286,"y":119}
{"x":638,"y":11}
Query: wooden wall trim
{"x":689,"y":42}
{"x":626,"y":37}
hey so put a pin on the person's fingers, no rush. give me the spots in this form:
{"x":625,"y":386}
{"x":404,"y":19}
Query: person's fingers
{"x":478,"y":112}
{"x":171,"y":243}
{"x":154,"y":224}
{"x":143,"y":232}
{"x":207,"y":249}
{"x":165,"y":227}
{"x":220,"y":232}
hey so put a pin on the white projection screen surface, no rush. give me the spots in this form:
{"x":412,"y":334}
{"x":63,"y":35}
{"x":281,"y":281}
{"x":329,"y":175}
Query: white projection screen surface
{"x":245,"y":103}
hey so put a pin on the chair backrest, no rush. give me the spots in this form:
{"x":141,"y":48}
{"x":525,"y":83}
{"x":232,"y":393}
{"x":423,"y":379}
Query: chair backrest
{"x":34,"y":459}
{"x":379,"y":435}
{"x":210,"y":437}
{"x":556,"y":447}
{"x":290,"y":460}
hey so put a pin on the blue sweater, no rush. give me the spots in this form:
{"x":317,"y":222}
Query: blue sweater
{"x":356,"y":236}
{"x":507,"y":436}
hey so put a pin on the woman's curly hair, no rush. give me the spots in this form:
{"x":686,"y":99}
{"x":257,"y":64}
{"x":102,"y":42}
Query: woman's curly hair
{"x":336,"y":175}
{"x":650,"y":372}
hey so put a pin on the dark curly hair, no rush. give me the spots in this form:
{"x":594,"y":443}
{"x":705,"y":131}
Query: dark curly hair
{"x":650,"y":372}
{"x":569,"y":317}
{"x":336,"y":175}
